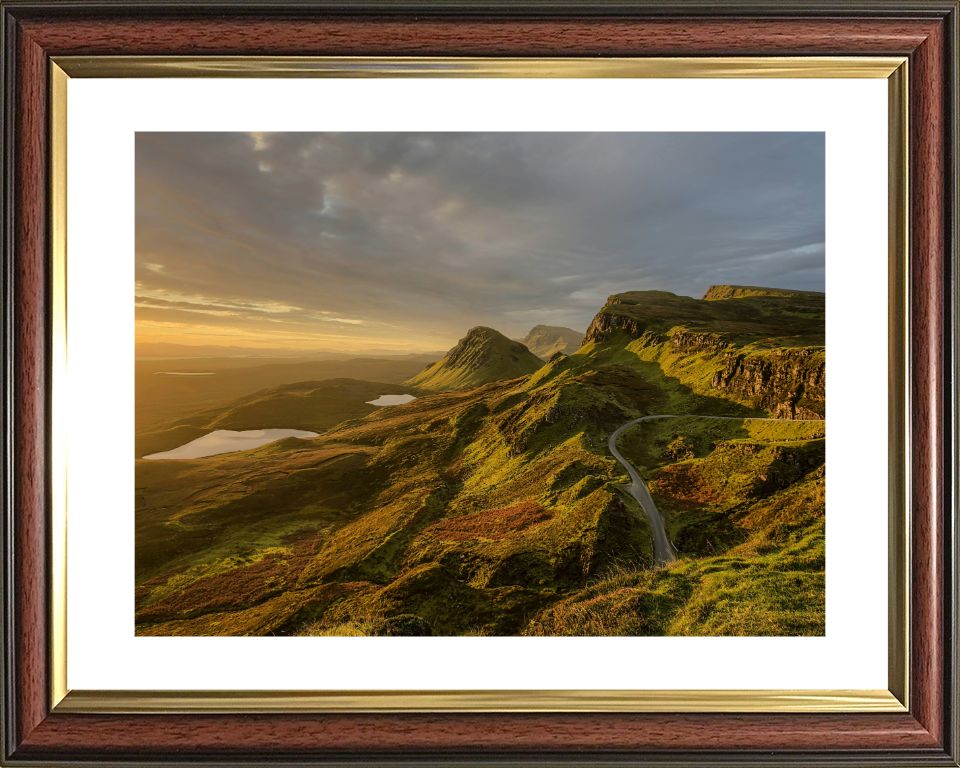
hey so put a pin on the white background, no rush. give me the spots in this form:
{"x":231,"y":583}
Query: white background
{"x":103,"y":116}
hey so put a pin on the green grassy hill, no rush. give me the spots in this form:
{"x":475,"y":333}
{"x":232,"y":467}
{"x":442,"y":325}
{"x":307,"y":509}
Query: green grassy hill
{"x":482,"y":356}
{"x":744,"y":503}
{"x":764,"y":353}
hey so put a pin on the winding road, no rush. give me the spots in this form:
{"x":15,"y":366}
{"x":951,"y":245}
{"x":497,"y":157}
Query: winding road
{"x":663,"y":552}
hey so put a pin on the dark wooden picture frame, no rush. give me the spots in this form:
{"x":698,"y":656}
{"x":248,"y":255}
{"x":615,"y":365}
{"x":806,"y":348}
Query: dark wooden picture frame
{"x":924,"y":32}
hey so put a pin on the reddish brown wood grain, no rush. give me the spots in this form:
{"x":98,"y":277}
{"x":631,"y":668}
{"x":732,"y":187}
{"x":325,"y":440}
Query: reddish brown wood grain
{"x":505,"y":733}
{"x":41,"y":734}
{"x":30,"y":392}
{"x":448,"y":37}
{"x":928,"y":272}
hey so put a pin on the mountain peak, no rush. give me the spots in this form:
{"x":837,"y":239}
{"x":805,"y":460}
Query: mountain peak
{"x":482,"y":356}
{"x":545,"y":340}
{"x":481,"y":333}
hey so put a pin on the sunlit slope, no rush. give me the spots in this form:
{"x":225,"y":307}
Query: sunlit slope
{"x":482,"y":356}
{"x":311,"y":405}
{"x":762,"y":354}
{"x":744,"y":503}
{"x":469,"y":509}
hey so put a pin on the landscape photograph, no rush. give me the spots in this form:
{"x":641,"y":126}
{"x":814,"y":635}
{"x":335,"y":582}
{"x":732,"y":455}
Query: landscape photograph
{"x":480,"y":384}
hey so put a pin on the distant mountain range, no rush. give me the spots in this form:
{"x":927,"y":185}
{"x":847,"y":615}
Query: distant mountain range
{"x":757,"y":347}
{"x":546,"y":340}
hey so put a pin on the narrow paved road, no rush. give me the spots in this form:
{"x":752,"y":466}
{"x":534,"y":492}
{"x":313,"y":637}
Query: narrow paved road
{"x":662,"y":549}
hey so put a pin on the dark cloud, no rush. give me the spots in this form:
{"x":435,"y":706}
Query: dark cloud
{"x":407,"y":240}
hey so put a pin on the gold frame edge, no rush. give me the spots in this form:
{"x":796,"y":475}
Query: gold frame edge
{"x":898,"y":597}
{"x":58,"y":364}
{"x":823,"y":701}
{"x":414,"y":66}
{"x":233,"y":702}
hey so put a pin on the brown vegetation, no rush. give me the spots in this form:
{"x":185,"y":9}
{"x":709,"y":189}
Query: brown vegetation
{"x":683,"y":487}
{"x":241,"y":586}
{"x":490,"y":524}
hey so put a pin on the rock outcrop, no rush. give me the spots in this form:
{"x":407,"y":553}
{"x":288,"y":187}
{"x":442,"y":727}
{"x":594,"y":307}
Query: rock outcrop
{"x":605,"y":322}
{"x":760,"y":347}
{"x":790,"y":383}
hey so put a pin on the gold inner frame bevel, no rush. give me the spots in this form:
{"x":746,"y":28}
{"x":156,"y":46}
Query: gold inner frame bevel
{"x":895,"y":699}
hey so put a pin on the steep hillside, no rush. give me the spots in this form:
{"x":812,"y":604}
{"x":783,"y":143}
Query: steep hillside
{"x":744,"y":503}
{"x":546,"y":340}
{"x":764,"y":353}
{"x":490,"y":511}
{"x":311,"y":405}
{"x":482,"y":356}
{"x":470,"y":509}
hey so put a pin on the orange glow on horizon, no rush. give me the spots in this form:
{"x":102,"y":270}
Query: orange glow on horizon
{"x":196,"y":336}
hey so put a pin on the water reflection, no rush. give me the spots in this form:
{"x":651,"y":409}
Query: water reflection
{"x":391,"y":400}
{"x":228,"y":441}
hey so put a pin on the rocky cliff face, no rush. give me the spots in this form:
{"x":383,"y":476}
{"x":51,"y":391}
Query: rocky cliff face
{"x":790,"y":383}
{"x":698,"y":342}
{"x":605,"y":322}
{"x":608,"y":320}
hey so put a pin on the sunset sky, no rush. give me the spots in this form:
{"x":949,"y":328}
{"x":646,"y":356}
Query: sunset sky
{"x":404,"y":241}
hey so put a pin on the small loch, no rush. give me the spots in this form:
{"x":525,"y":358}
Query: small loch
{"x":228,"y":441}
{"x":391,"y":400}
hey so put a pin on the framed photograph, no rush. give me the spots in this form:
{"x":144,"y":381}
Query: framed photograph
{"x":438,"y":384}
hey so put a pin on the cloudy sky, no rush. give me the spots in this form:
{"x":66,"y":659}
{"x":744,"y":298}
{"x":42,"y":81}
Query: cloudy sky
{"x":405,"y":241}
